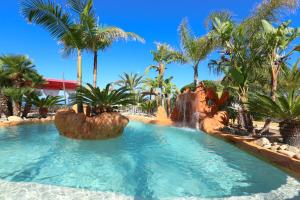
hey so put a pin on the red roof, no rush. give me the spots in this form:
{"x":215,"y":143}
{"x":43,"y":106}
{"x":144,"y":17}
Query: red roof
{"x":56,"y":84}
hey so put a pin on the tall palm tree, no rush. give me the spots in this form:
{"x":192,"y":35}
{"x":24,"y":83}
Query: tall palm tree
{"x":130,"y":81}
{"x":61,"y":26}
{"x":101,"y":37}
{"x":195,"y":48}
{"x":164,"y":55}
{"x":4,"y":99}
{"x":151,"y":85}
{"x":169,"y":90}
{"x":20,"y":72}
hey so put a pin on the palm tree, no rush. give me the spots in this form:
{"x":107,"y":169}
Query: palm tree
{"x":36,"y":81}
{"x":44,"y":103}
{"x":101,"y":37}
{"x":106,"y":100}
{"x":148,"y":106}
{"x":195,"y":48}
{"x":16,"y":94}
{"x":151,"y":85}
{"x":20,"y":73}
{"x":164,"y":55}
{"x":169,"y":90}
{"x":59,"y":23}
{"x":285,"y":109}
{"x":130,"y":81}
{"x":4,"y":100}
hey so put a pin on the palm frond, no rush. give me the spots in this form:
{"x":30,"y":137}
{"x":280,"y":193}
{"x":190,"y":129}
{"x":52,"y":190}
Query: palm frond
{"x":47,"y":14}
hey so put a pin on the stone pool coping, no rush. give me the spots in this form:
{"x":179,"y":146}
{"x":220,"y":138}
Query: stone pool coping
{"x":26,"y":121}
{"x":36,"y":191}
{"x":288,"y":164}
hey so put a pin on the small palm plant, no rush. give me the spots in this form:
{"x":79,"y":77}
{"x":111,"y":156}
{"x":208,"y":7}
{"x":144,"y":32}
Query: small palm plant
{"x":148,"y":106}
{"x":106,"y":100}
{"x":285,"y":109}
{"x":44,"y":103}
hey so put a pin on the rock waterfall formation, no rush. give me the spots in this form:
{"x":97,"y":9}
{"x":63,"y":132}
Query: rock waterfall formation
{"x":199,"y":109}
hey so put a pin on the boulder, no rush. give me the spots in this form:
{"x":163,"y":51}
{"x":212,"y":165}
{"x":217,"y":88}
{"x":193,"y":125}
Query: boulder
{"x":283,"y":147}
{"x":297,"y":156}
{"x":14,"y":119}
{"x":217,"y":122}
{"x":262,"y":142}
{"x":274,"y":147}
{"x":161,"y":113}
{"x":79,"y":126}
{"x":199,"y":109}
{"x":287,"y":153}
{"x":293,"y":149}
{"x":267,"y":146}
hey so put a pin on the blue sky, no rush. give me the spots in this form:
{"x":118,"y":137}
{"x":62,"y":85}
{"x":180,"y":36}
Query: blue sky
{"x":154,"y":20}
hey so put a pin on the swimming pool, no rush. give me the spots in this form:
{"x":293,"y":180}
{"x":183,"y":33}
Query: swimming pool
{"x":146,"y":162}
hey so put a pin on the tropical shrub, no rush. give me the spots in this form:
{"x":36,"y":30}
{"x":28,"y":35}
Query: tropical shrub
{"x":148,"y":106}
{"x":16,"y":95}
{"x":44,"y":103}
{"x":285,"y":109}
{"x":106,"y":100}
{"x":17,"y":76}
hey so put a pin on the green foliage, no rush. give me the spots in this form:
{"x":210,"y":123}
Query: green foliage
{"x":285,"y":107}
{"x":106,"y":100}
{"x":216,"y":85}
{"x":195,"y":48}
{"x":16,"y":94}
{"x":19,"y":70}
{"x":270,"y":11}
{"x":169,"y":88}
{"x":102,"y":37}
{"x":130,"y":81}
{"x":275,"y":41}
{"x":45,"y":102}
{"x":148,"y":106}
{"x":165,"y":54}
{"x":49,"y":15}
{"x":290,"y":78}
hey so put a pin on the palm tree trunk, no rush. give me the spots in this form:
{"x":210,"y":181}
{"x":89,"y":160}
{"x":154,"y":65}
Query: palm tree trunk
{"x":16,"y":108}
{"x":95,"y":69}
{"x":27,"y":109}
{"x":196,"y":79}
{"x":4,"y":105}
{"x":79,"y":80}
{"x":245,"y":120}
{"x":168,"y":106}
{"x":161,"y":72}
{"x":274,"y":81}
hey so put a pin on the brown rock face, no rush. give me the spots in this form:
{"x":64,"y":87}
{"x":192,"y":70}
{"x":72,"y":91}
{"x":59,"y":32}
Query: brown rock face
{"x":79,"y":126}
{"x":199,"y":109}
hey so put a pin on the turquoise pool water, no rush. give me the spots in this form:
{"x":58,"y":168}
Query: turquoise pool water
{"x":146,"y":162}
